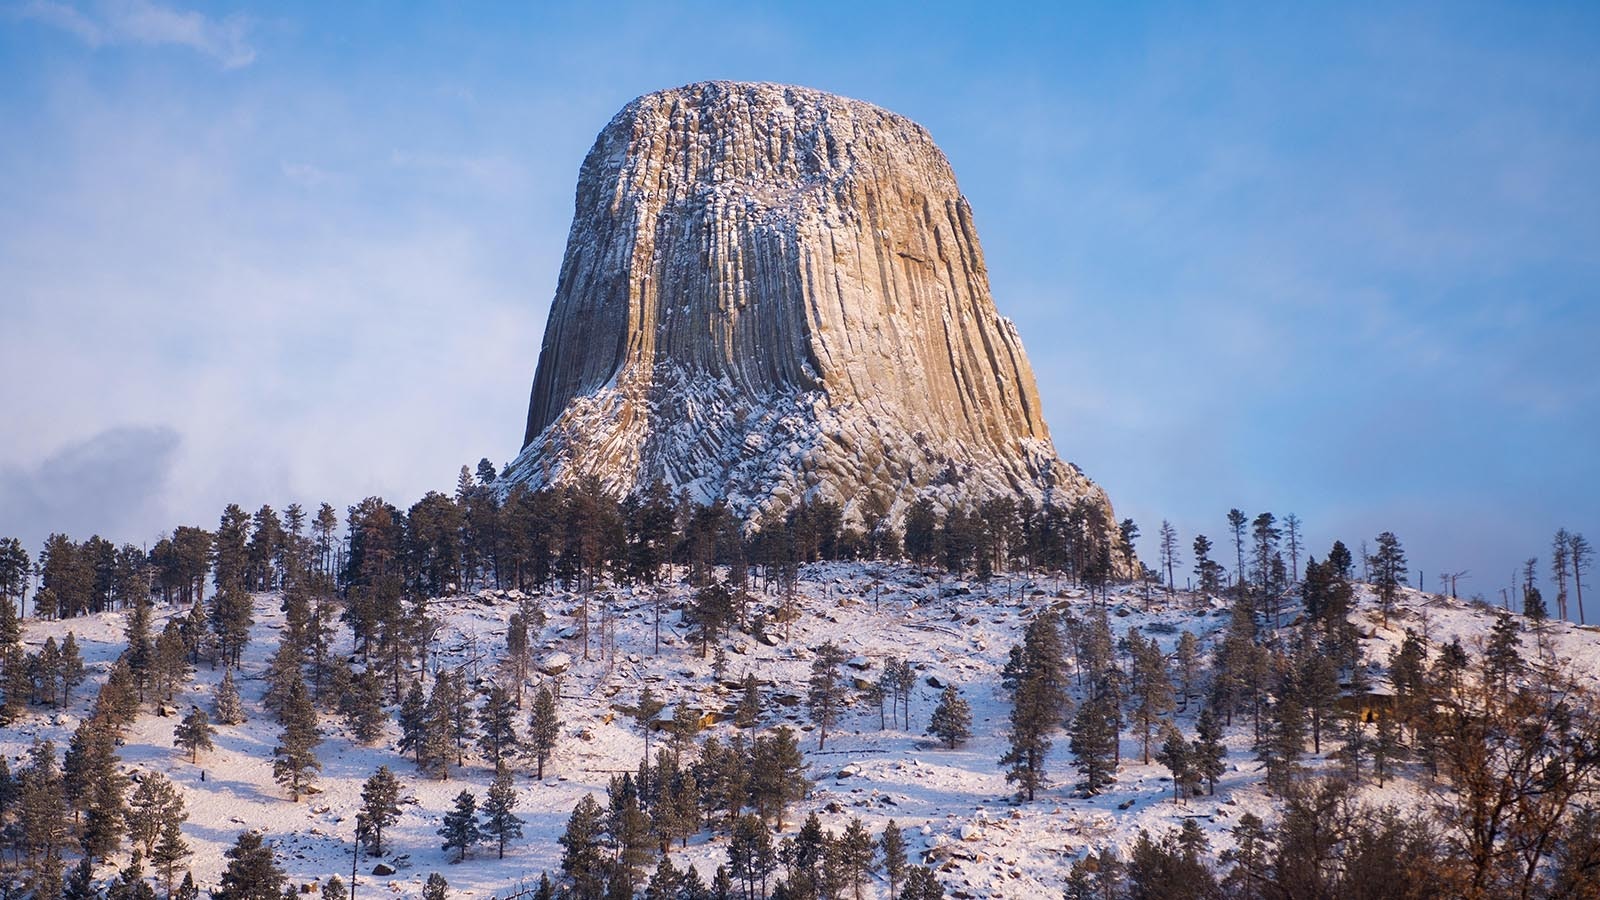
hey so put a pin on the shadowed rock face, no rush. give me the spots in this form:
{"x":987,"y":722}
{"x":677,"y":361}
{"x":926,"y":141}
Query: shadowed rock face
{"x":772,"y":292}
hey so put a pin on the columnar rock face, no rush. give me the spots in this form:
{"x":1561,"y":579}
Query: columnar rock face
{"x":773,"y":293}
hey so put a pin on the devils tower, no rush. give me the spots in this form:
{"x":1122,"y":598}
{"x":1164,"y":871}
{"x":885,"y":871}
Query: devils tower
{"x":773,"y":293}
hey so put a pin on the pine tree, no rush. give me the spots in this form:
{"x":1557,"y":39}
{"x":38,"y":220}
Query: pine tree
{"x":1388,"y":568}
{"x":544,"y":728}
{"x":460,"y":827}
{"x":1502,"y":659}
{"x":856,"y":857}
{"x":1034,"y":677}
{"x":921,"y":884}
{"x":777,"y":774}
{"x":497,"y":727}
{"x":380,"y":807}
{"x":188,"y":890}
{"x":412,"y":717}
{"x":665,"y":882}
{"x":748,"y":715}
{"x":295,"y":758}
{"x":154,"y":804}
{"x":103,"y":818}
{"x":362,"y":707}
{"x":1250,"y":857}
{"x":1280,"y":753}
{"x":334,"y":889}
{"x":751,"y":857}
{"x":1178,"y":756}
{"x":70,"y":668}
{"x":1210,"y":756}
{"x":952,"y":718}
{"x":645,"y":714}
{"x":826,"y":689}
{"x":1095,"y":731}
{"x":194,"y":733}
{"x":436,"y":888}
{"x":94,"y":786}
{"x":252,"y":872}
{"x":226,"y":704}
{"x":80,"y":884}
{"x":629,"y":828}
{"x":1387,"y":749}
{"x":170,"y":851}
{"x":435,"y":736}
{"x":1188,"y":667}
{"x":41,"y":806}
{"x":582,"y":858}
{"x":1151,"y":688}
{"x":893,"y":847}
{"x":499,"y":820}
{"x":129,"y":884}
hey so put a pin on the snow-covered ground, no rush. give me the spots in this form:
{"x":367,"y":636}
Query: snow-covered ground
{"x":954,"y":805}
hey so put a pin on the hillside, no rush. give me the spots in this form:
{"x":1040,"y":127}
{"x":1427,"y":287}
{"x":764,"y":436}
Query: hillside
{"x":955,"y":806}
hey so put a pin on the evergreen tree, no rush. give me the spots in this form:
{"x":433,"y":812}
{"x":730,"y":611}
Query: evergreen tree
{"x":434,"y":747}
{"x":252,"y":872}
{"x":412,"y":716}
{"x":436,"y":887}
{"x":629,"y":828}
{"x":380,"y":807}
{"x":460,"y":827}
{"x":1387,"y":748}
{"x":1095,"y":732}
{"x":499,"y":820}
{"x":544,"y":728}
{"x":295,"y":758}
{"x":952,"y":718}
{"x":170,"y":851}
{"x":1038,"y":700}
{"x":1151,"y":688}
{"x":893,"y":848}
{"x":80,"y":884}
{"x":1502,"y":659}
{"x":855,"y":855}
{"x":187,"y":889}
{"x":1209,"y":756}
{"x":826,"y":690}
{"x":1388,"y":568}
{"x":334,"y":889}
{"x":665,"y":882}
{"x":748,"y":715}
{"x":1172,"y":867}
{"x":1249,"y":859}
{"x":194,"y":733}
{"x":41,"y":817}
{"x":645,"y":714}
{"x":1207,"y":572}
{"x":1178,"y":756}
{"x":155,"y":802}
{"x":1188,"y":667}
{"x":362,"y":707}
{"x":129,"y":884}
{"x":497,"y":727}
{"x":1280,"y":753}
{"x":921,"y":884}
{"x":94,"y":786}
{"x":70,"y":668}
{"x":777,"y":774}
{"x":583,"y":859}
{"x":751,"y":857}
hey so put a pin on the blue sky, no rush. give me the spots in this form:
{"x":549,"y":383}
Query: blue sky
{"x":1339,"y":261}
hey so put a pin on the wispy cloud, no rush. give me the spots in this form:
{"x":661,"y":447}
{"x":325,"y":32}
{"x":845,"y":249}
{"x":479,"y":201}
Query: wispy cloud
{"x":145,"y":23}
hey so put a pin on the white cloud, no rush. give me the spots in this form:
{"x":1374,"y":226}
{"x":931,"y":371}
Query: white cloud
{"x":145,"y":23}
